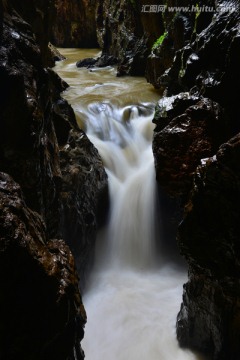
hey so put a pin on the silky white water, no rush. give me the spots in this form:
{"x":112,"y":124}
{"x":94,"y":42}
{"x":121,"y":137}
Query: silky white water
{"x":134,"y":294}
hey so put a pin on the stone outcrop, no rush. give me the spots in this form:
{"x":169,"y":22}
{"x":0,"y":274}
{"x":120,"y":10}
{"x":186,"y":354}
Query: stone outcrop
{"x":73,"y":23}
{"x":61,"y":178}
{"x":42,"y":315}
{"x":188,"y":129}
{"x":84,"y":198}
{"x":203,"y":66}
{"x":33,"y":130}
{"x":196,"y":149}
{"x":180,"y":27}
{"x":209,"y":319}
{"x":124,"y":32}
{"x":37,"y":13}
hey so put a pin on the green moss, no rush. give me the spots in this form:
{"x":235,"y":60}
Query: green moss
{"x":159,"y":41}
{"x":196,"y":17}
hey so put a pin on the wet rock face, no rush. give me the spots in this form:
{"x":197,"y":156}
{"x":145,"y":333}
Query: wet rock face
{"x":36,"y":271}
{"x":38,"y":15}
{"x":42,"y":315}
{"x":73,"y":23}
{"x":201,"y":68}
{"x":188,"y":129}
{"x":209,"y":239}
{"x":84,"y":198}
{"x":179,"y":29}
{"x":205,"y":67}
{"x":196,"y":150}
{"x":31,"y":133}
{"x":29,"y":149}
{"x":126,"y":33}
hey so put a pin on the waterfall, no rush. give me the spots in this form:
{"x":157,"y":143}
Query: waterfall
{"x":133,"y":296}
{"x":125,"y":146}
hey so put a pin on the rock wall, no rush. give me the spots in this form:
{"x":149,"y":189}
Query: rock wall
{"x":124,"y":32}
{"x":62,"y":180}
{"x":42,"y":316}
{"x":73,"y":24}
{"x":37,"y":13}
{"x":196,"y":149}
{"x":209,"y":319}
{"x":180,"y":27}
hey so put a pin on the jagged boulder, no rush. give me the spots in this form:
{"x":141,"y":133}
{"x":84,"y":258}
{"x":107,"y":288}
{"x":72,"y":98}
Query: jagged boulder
{"x":29,"y":148}
{"x":208,"y":65}
{"x":42,"y":316}
{"x":180,"y":27}
{"x":127,"y":33}
{"x":188,"y":129}
{"x":209,"y":239}
{"x":37,"y":13}
{"x":84,"y":198}
{"x":198,"y":114}
{"x":32,"y":132}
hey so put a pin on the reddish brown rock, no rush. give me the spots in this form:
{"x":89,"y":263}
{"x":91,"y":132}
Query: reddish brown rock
{"x":32,"y":132}
{"x":84,"y":198}
{"x":188,"y":129}
{"x":42,"y":316}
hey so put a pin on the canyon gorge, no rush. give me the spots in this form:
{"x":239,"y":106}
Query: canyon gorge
{"x":56,"y":184}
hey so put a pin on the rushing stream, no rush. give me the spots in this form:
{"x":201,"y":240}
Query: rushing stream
{"x":134,"y":294}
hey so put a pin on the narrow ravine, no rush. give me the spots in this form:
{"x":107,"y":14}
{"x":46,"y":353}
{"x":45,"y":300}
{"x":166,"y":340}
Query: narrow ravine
{"x":134,"y":293}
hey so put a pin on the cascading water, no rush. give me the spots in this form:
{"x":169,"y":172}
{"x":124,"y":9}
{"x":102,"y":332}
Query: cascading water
{"x":133,"y":296}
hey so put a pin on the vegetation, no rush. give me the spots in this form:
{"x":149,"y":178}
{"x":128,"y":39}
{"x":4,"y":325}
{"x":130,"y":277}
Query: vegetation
{"x":159,"y":41}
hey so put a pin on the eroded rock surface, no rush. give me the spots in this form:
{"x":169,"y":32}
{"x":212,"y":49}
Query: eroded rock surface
{"x":125,"y":32}
{"x":42,"y":315}
{"x":196,"y":149}
{"x":209,"y":240}
{"x":84,"y":198}
{"x":73,"y":23}
{"x":35,"y":127}
{"x":180,"y":28}
{"x":188,"y":129}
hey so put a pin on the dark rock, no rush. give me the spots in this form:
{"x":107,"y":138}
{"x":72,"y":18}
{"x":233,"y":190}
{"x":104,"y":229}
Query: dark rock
{"x":179,"y":29}
{"x":106,"y":60}
{"x":209,"y":240}
{"x":29,"y":150}
{"x":171,"y":212}
{"x":37,"y":14}
{"x":34,"y":122}
{"x":84,"y":198}
{"x":31,"y":133}
{"x":88,"y":62}
{"x":73,"y":24}
{"x":188,"y":129}
{"x":102,"y":61}
{"x":42,"y":316}
{"x":126,"y":33}
{"x":56,"y":55}
{"x":207,"y":64}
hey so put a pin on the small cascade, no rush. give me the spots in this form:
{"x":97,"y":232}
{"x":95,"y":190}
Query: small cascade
{"x":125,"y":146}
{"x":134,"y":295}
